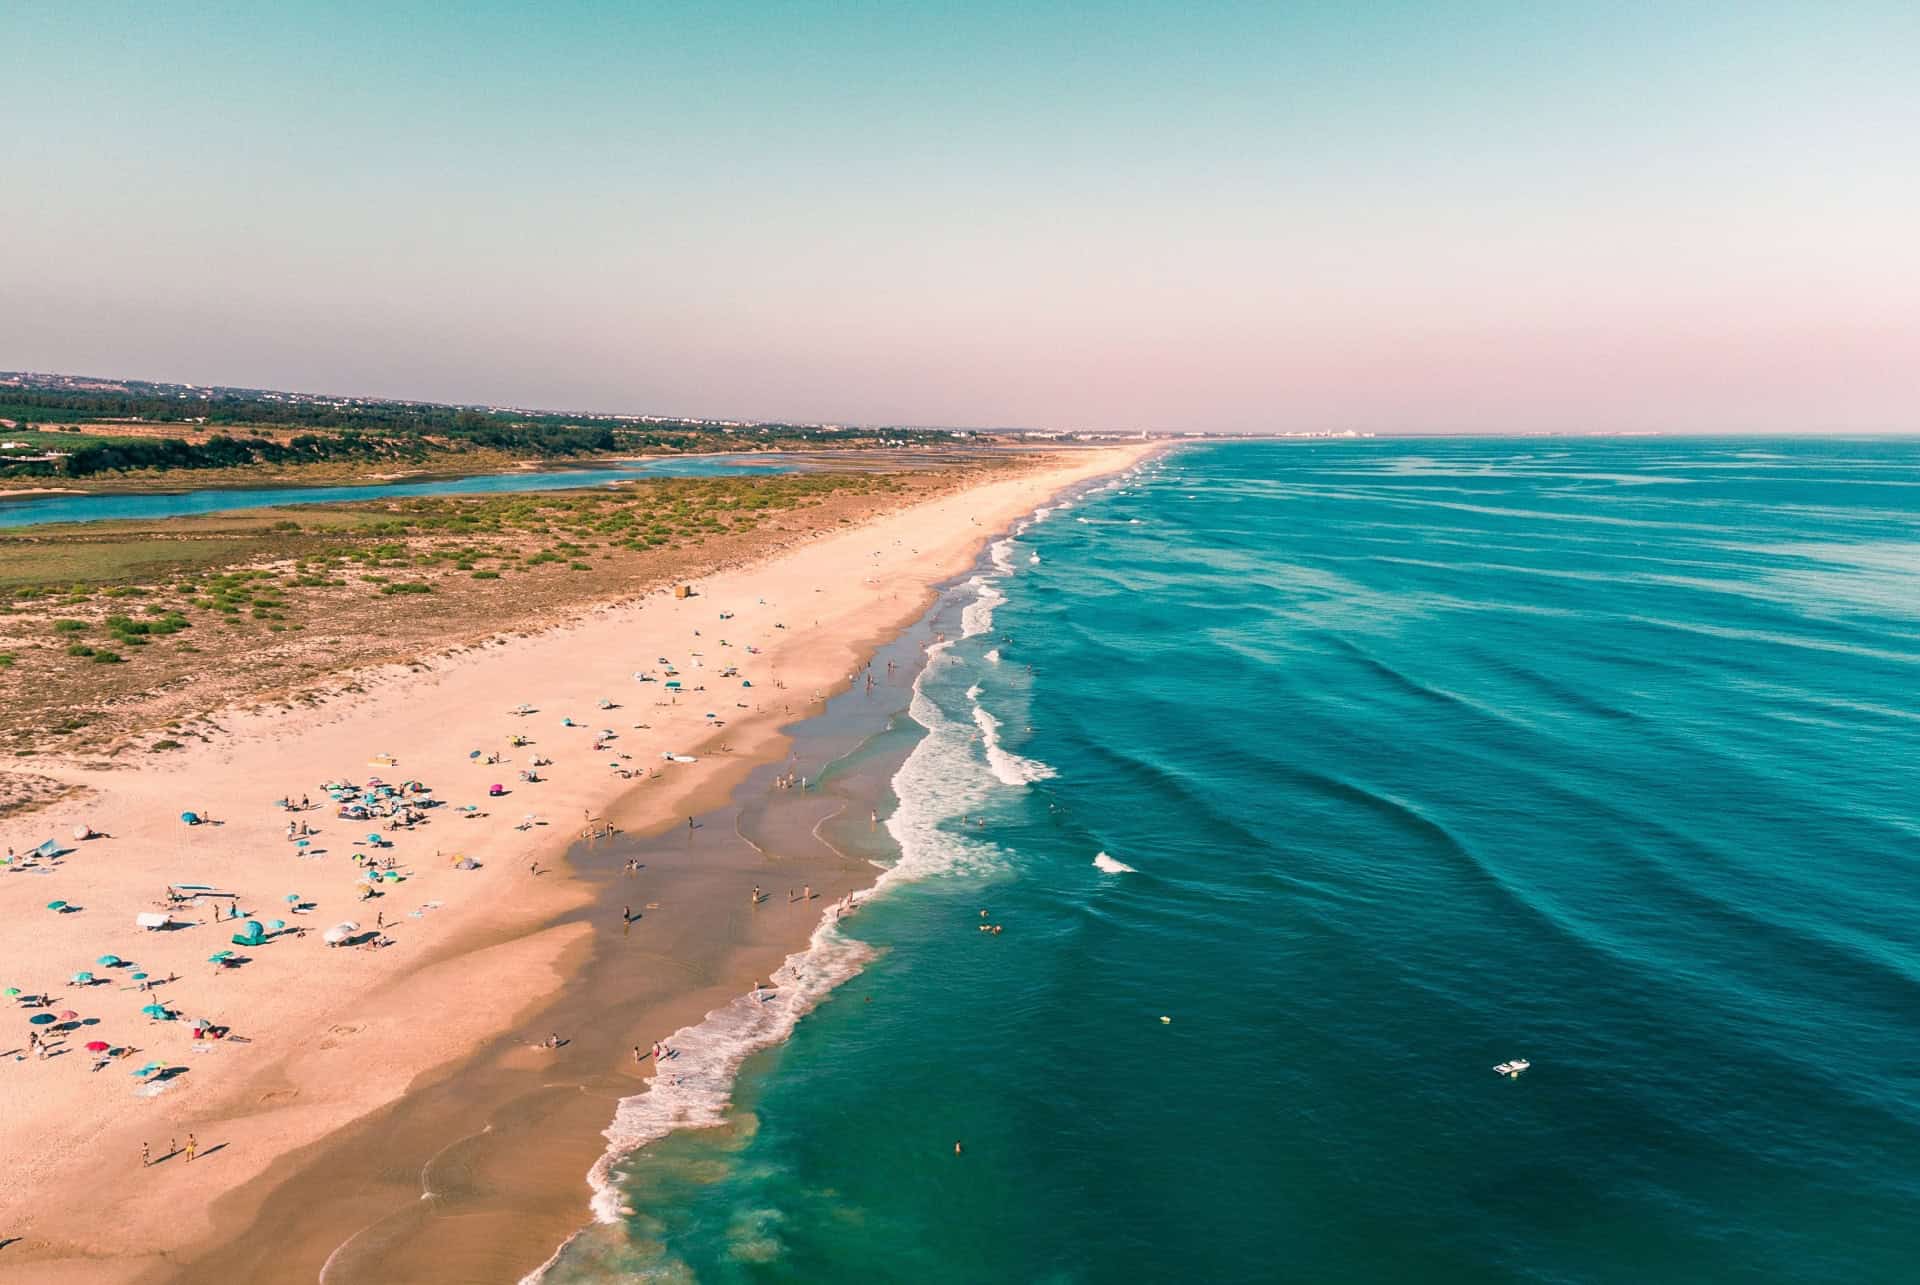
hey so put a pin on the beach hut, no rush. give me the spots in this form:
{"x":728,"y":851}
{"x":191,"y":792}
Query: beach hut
{"x":683,"y":591}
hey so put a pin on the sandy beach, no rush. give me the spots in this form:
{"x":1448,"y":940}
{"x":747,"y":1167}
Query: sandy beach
{"x":317,"y":1041}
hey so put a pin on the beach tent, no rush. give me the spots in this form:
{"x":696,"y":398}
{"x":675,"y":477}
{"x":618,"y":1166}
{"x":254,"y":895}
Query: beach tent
{"x":56,"y":906}
{"x":251,"y":934}
{"x":48,"y":849}
{"x":191,"y":818}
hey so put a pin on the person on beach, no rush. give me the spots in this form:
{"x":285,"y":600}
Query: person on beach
{"x":754,"y":898}
{"x":146,"y":1156}
{"x":637,"y":1059}
{"x":192,"y":1147}
{"x":806,"y":893}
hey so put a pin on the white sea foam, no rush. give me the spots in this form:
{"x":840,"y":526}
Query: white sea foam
{"x":1112,"y":867}
{"x":692,"y":1089}
{"x":977,"y":616}
{"x":1008,"y":767}
{"x":973,"y":692}
{"x":1001,"y":552}
{"x":993,"y":657}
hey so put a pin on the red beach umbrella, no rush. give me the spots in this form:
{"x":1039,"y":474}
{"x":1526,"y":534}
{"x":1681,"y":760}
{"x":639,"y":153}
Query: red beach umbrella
{"x":98,"y":1046}
{"x":68,"y":1015}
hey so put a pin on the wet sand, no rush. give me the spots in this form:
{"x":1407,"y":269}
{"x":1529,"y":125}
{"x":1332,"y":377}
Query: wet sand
{"x":479,"y":1174}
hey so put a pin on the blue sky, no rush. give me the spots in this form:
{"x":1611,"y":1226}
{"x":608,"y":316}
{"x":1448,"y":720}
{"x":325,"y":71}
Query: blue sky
{"x":1242,"y":217}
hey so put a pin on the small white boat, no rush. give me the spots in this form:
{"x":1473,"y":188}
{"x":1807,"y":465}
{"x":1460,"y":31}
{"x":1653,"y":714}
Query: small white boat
{"x":1512,"y":1069}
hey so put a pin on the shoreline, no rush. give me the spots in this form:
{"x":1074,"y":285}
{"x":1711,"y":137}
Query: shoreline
{"x":520,"y":949}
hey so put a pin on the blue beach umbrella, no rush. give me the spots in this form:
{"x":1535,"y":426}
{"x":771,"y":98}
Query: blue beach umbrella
{"x":219,"y":955}
{"x":83,"y":979}
{"x":56,"y":905}
{"x":147,"y":1070}
{"x":157,"y":1012}
{"x":139,"y":977}
{"x":40,"y":1019}
{"x":110,"y":961}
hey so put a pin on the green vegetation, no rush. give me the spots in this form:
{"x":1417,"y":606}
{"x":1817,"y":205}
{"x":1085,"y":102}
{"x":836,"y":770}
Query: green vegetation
{"x":246,"y":429}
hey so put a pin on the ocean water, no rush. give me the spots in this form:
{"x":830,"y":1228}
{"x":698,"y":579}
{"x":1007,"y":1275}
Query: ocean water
{"x":1307,"y":782}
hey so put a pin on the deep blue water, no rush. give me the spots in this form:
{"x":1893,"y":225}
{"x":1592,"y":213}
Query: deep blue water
{"x":1424,"y":755}
{"x":143,"y":506}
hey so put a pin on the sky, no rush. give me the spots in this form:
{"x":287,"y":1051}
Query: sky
{"x":1422,"y":217}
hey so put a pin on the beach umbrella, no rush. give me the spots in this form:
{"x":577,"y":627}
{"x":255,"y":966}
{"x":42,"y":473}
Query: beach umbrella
{"x":83,"y":832}
{"x":147,"y":1070}
{"x":157,"y":1012}
{"x":12,"y":991}
{"x":83,"y":979}
{"x":219,"y":955}
{"x":139,"y":977}
{"x":40,"y":1019}
{"x":191,"y":818}
{"x":98,"y":1046}
{"x":111,"y":961}
{"x":293,"y":899}
{"x":56,"y":905}
{"x":68,"y":1015}
{"x":276,"y":925}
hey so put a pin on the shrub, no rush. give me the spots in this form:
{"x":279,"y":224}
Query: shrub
{"x":107,"y":658}
{"x":69,"y":626}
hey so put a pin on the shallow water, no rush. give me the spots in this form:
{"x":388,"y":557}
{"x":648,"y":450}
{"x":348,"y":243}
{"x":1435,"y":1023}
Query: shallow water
{"x":146,"y":506}
{"x":1404,"y":759}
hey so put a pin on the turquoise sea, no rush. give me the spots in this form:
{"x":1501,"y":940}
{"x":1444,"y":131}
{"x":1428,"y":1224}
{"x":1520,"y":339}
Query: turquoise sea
{"x":1369,"y":765}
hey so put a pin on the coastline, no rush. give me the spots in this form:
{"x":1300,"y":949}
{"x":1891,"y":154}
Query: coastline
{"x":502,"y":945}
